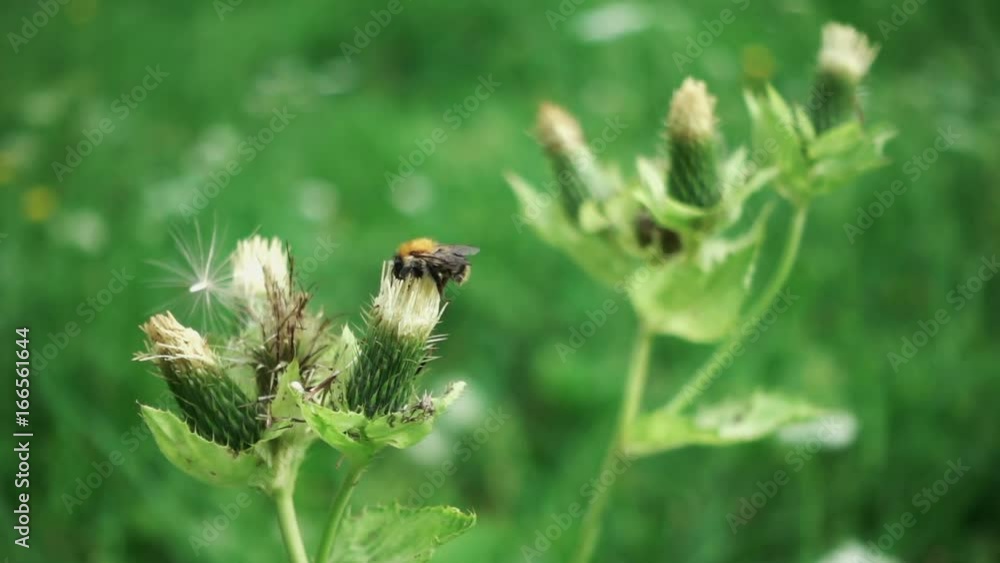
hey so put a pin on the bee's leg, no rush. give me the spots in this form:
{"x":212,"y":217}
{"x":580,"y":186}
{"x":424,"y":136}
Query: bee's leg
{"x":399,"y":269}
{"x":439,"y":280}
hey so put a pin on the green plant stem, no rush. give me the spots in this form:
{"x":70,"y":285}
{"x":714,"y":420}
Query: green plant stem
{"x":287,"y":459}
{"x":290,"y":525}
{"x":337,"y":510}
{"x":703,"y":376}
{"x":590,"y":529}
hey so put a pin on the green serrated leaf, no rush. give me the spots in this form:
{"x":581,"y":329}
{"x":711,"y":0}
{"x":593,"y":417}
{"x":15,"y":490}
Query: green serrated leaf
{"x":731,"y":422}
{"x":343,"y":430}
{"x":592,"y":252}
{"x":665,"y":209}
{"x":393,"y":430}
{"x":205,"y":460}
{"x":844,"y":153}
{"x":398,"y":535}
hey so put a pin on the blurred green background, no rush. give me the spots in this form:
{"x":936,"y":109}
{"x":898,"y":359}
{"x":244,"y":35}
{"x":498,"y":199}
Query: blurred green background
{"x":324,"y":175}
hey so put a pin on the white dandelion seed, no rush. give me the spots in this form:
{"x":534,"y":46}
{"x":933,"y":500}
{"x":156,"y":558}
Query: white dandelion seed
{"x":203,"y":278}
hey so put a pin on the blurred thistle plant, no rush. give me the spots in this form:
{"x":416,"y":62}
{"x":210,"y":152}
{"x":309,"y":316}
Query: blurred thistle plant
{"x":683,"y":245}
{"x":844,"y":59}
{"x":252,"y":405}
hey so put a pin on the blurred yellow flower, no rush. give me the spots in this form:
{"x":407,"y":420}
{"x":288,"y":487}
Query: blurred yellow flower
{"x":39,"y":203}
{"x":82,"y":11}
{"x":758,"y":64}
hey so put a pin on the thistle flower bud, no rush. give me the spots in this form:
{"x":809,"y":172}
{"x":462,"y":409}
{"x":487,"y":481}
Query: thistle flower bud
{"x":691,"y":127}
{"x":396,"y":344}
{"x":256,"y":261}
{"x":577,"y":171}
{"x":212,"y":404}
{"x":844,"y":60}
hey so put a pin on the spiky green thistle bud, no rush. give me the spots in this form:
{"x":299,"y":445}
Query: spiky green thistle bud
{"x":576,"y":169}
{"x":691,"y":127}
{"x":396,"y":344}
{"x":212,"y":404}
{"x":844,"y":60}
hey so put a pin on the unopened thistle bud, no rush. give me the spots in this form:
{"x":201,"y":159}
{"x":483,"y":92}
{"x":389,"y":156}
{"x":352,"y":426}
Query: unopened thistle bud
{"x":396,"y":344}
{"x":212,"y":404}
{"x":576,"y":169}
{"x":691,"y":126}
{"x":844,"y":60}
{"x":256,"y":262}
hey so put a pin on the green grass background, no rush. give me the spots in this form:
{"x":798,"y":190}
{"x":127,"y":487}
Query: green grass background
{"x":354,"y":120}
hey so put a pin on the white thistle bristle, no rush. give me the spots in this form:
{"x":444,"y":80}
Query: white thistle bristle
{"x":411,"y":306}
{"x":846,"y":52}
{"x":174,"y":342}
{"x":692,"y":112}
{"x":251,"y":259}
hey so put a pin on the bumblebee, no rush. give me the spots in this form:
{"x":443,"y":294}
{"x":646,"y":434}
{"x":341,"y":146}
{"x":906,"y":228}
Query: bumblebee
{"x":442,"y":262}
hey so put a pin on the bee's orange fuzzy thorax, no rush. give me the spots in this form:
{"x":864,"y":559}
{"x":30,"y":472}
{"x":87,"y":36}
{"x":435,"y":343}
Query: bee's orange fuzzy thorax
{"x":416,"y":246}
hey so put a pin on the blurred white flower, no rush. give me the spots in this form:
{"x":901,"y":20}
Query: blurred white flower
{"x":834,"y":431}
{"x":44,"y":107}
{"x":611,"y":22}
{"x":85,"y":229}
{"x":317,"y":199}
{"x":846,"y":52}
{"x":336,"y":76}
{"x":854,"y":552}
{"x":215,"y":147}
{"x":413,"y":195}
